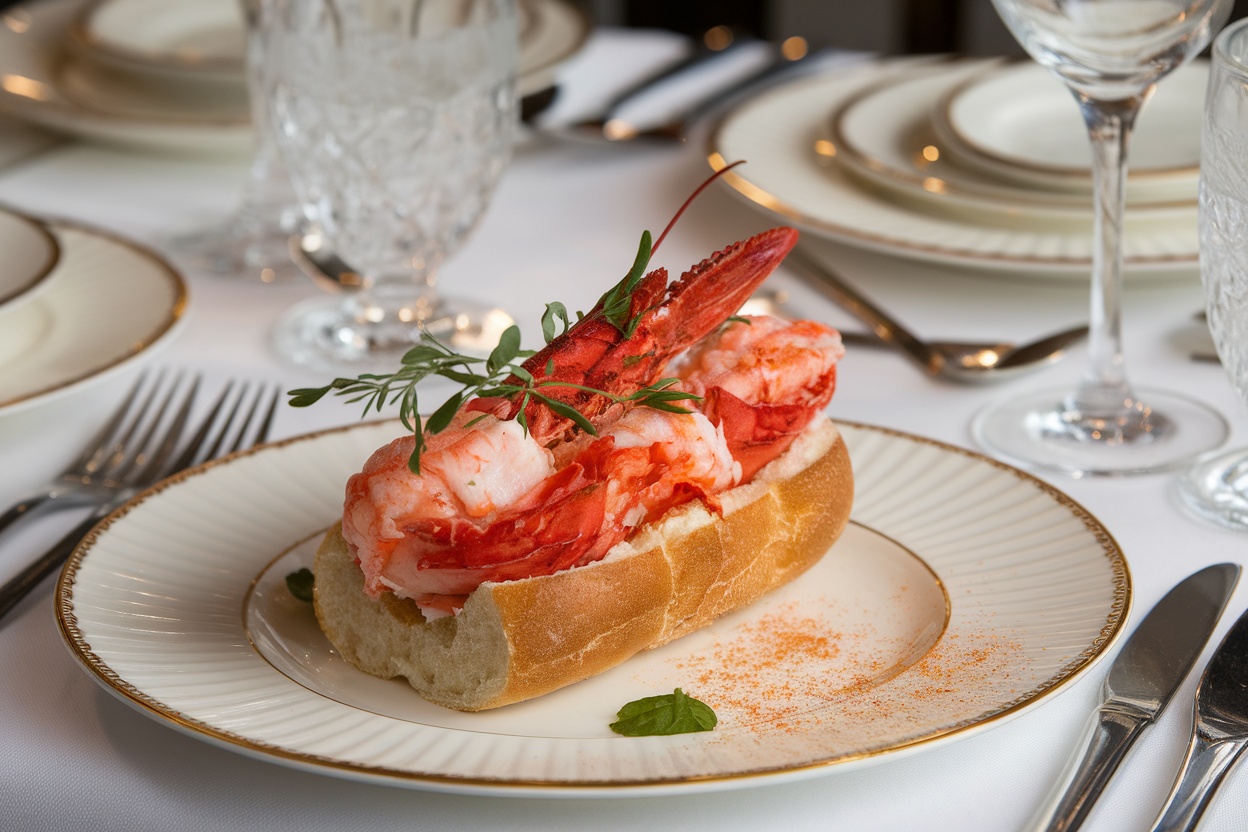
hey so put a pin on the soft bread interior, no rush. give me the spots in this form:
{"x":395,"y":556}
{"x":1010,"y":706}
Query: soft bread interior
{"x":516,"y":640}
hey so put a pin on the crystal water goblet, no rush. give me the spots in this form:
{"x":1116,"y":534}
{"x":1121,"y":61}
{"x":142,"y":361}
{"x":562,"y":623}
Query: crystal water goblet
{"x":1217,"y":488}
{"x":395,"y":119}
{"x":253,"y":240}
{"x":1110,"y":54}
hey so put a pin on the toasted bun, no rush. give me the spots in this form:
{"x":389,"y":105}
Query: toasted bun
{"x":520,"y":639}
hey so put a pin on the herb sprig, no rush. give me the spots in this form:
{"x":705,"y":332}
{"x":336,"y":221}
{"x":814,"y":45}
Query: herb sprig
{"x":503,"y":375}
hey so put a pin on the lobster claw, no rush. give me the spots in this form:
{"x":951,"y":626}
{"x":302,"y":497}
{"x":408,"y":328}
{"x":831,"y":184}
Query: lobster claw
{"x":713,"y":290}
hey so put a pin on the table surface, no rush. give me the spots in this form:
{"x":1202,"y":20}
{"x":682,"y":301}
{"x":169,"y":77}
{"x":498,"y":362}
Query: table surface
{"x":565,"y":218}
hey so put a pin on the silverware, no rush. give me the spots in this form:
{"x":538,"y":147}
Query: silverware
{"x":614,"y":128}
{"x":222,"y":430}
{"x":601,"y":125}
{"x":91,"y":476}
{"x":958,"y":362}
{"x":775,"y":302}
{"x":1219,"y":732}
{"x":1141,"y":681}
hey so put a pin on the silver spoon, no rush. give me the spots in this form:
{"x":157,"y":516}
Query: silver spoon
{"x":964,"y":362}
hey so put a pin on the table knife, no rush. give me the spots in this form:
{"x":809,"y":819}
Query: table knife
{"x":1219,"y":732}
{"x":1141,"y":681}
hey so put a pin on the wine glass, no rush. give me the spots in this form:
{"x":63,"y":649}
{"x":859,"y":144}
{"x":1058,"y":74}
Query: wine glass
{"x":395,"y":119}
{"x":1110,"y":53}
{"x":1217,"y":488}
{"x":253,"y":240}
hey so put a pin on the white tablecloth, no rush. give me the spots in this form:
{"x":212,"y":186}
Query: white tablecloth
{"x":564,"y":223}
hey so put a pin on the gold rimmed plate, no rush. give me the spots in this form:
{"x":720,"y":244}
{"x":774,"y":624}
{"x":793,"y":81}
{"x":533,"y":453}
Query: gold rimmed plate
{"x":963,"y":593}
{"x":793,"y":174}
{"x":79,"y":91}
{"x":885,"y":136}
{"x":1019,"y":124}
{"x":108,"y":303}
{"x":30,"y":254}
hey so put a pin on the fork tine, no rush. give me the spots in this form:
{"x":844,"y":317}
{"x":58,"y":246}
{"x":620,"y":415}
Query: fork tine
{"x":141,"y":456}
{"x":262,"y":431}
{"x":116,"y":456}
{"x":100,"y":444}
{"x":187,"y":458}
{"x":262,"y":435}
{"x":149,"y":472}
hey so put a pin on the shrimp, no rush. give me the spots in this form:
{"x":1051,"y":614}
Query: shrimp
{"x":495,"y":501}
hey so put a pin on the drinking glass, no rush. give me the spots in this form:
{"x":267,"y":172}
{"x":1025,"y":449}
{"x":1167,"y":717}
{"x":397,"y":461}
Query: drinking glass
{"x":253,"y":240}
{"x":395,"y":119}
{"x":1110,"y":53}
{"x":1217,"y":488}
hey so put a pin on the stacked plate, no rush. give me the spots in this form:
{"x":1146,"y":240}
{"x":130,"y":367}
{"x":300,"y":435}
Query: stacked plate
{"x":76,"y":305}
{"x":170,"y":74}
{"x":978,"y":163}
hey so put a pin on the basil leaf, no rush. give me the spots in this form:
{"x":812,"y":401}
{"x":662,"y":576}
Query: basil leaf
{"x":300,"y":584}
{"x":669,"y":713}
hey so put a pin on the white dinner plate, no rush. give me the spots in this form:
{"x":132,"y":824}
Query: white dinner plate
{"x":107,"y":302}
{"x":41,"y":81}
{"x":963,"y":593}
{"x":885,"y":136}
{"x":30,"y":254}
{"x":791,"y":172}
{"x":190,"y":39}
{"x":1021,"y":124}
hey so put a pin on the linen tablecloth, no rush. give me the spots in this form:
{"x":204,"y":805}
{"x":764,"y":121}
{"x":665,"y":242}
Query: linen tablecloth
{"x":564,"y":223}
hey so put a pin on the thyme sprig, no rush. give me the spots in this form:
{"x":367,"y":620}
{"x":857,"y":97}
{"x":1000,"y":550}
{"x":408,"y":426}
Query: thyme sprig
{"x":503,"y":375}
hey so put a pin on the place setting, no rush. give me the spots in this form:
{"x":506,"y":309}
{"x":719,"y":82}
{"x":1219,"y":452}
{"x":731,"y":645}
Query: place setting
{"x":96,"y":304}
{"x":859,"y":157}
{"x":569,"y":497}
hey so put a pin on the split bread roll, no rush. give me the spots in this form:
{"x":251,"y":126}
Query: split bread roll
{"x":519,"y":639}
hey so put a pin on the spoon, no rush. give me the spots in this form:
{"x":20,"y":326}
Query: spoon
{"x":963,"y":362}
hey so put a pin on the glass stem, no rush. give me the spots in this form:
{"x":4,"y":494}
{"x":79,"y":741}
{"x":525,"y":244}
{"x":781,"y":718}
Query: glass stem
{"x":1104,"y":391}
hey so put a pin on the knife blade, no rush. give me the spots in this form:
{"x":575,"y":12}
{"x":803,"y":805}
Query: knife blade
{"x":1219,"y":732}
{"x":1141,"y":681}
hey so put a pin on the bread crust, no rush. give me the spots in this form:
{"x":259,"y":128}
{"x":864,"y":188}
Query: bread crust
{"x":520,"y":639}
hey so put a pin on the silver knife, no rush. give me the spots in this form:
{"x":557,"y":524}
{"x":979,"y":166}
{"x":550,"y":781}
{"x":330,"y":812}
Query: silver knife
{"x":1219,"y":733}
{"x":1142,"y":679}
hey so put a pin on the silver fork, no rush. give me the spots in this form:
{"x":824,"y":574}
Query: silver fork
{"x":218,"y":433}
{"x":93,"y":475}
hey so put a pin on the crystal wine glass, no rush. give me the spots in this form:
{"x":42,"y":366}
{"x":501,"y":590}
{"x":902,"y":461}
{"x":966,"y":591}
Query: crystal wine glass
{"x":1110,"y":53}
{"x":395,"y":119}
{"x":1217,"y":488}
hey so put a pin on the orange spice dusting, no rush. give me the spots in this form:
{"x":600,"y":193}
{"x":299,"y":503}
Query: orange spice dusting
{"x":771,"y":669}
{"x":787,"y":672}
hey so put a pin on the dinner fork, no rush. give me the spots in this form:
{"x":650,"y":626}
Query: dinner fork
{"x":217,"y":433}
{"x":89,"y":478}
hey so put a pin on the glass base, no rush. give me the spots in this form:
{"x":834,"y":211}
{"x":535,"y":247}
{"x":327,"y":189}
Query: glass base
{"x":245,"y":245}
{"x":1217,"y":489}
{"x":328,"y":334}
{"x":1040,"y":431}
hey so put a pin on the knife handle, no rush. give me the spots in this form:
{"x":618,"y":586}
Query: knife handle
{"x":1107,"y":738}
{"x":1207,"y":762}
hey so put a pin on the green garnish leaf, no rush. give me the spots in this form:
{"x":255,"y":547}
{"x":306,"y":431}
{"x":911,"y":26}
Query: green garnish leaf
{"x":300,"y":584}
{"x":618,"y":300}
{"x":505,"y":352}
{"x":669,"y":713}
{"x":554,"y":311}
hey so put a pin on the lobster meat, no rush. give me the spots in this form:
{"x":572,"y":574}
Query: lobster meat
{"x":498,"y":499}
